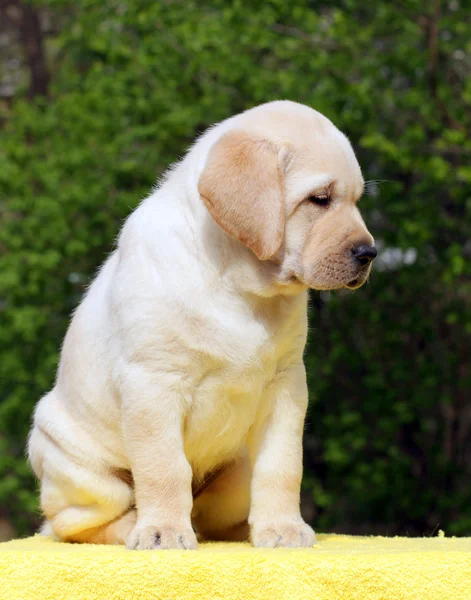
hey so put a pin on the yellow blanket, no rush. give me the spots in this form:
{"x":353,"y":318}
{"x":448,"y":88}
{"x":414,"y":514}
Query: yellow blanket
{"x":338,"y":568}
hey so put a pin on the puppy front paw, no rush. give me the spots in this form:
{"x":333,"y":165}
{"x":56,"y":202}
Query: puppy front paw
{"x":162,"y":537}
{"x":283,"y":535}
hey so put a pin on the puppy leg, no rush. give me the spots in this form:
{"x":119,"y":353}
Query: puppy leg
{"x":116,"y":532}
{"x":79,"y":491}
{"x":82,"y":501}
{"x":152,"y":422}
{"x":276,"y":453}
{"x":222,"y":510}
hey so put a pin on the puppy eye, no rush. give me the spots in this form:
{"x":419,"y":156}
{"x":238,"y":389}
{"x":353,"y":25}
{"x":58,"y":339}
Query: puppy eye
{"x":319,"y":200}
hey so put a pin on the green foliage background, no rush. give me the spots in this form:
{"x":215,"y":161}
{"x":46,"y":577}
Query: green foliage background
{"x":388,"y":438}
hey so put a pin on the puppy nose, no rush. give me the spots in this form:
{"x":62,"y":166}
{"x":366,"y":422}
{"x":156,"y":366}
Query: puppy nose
{"x":364,"y":254}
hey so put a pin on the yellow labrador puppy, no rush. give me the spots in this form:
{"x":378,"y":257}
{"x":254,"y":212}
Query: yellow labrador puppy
{"x":181,"y":392}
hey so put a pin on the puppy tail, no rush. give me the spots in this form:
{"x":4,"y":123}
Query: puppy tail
{"x":46,"y":529}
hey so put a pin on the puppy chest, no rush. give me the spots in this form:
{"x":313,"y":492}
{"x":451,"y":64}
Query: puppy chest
{"x":224,"y":406}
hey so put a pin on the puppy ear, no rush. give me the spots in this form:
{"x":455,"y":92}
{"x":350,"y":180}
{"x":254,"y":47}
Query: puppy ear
{"x":242,"y":188}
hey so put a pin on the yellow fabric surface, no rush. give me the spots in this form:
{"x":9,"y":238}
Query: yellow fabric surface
{"x":338,"y":567}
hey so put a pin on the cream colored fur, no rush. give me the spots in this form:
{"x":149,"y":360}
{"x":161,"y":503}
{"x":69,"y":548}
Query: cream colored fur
{"x":186,"y":353}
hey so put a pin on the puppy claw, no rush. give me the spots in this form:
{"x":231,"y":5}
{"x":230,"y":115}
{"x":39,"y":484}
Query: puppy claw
{"x":150,"y":537}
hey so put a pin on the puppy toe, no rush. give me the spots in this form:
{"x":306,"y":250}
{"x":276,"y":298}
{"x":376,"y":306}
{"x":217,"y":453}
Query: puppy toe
{"x":155,"y":537}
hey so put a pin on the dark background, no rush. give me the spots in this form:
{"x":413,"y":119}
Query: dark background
{"x":97,"y":97}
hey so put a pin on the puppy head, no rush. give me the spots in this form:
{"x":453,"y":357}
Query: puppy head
{"x":285,"y":182}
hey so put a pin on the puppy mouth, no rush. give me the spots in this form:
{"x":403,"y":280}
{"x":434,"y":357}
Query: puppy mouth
{"x":356,"y":283}
{"x":321,"y":282}
{"x":359,"y":280}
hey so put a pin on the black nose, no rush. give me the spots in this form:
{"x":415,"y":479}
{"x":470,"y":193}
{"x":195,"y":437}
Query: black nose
{"x":365,"y":254}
